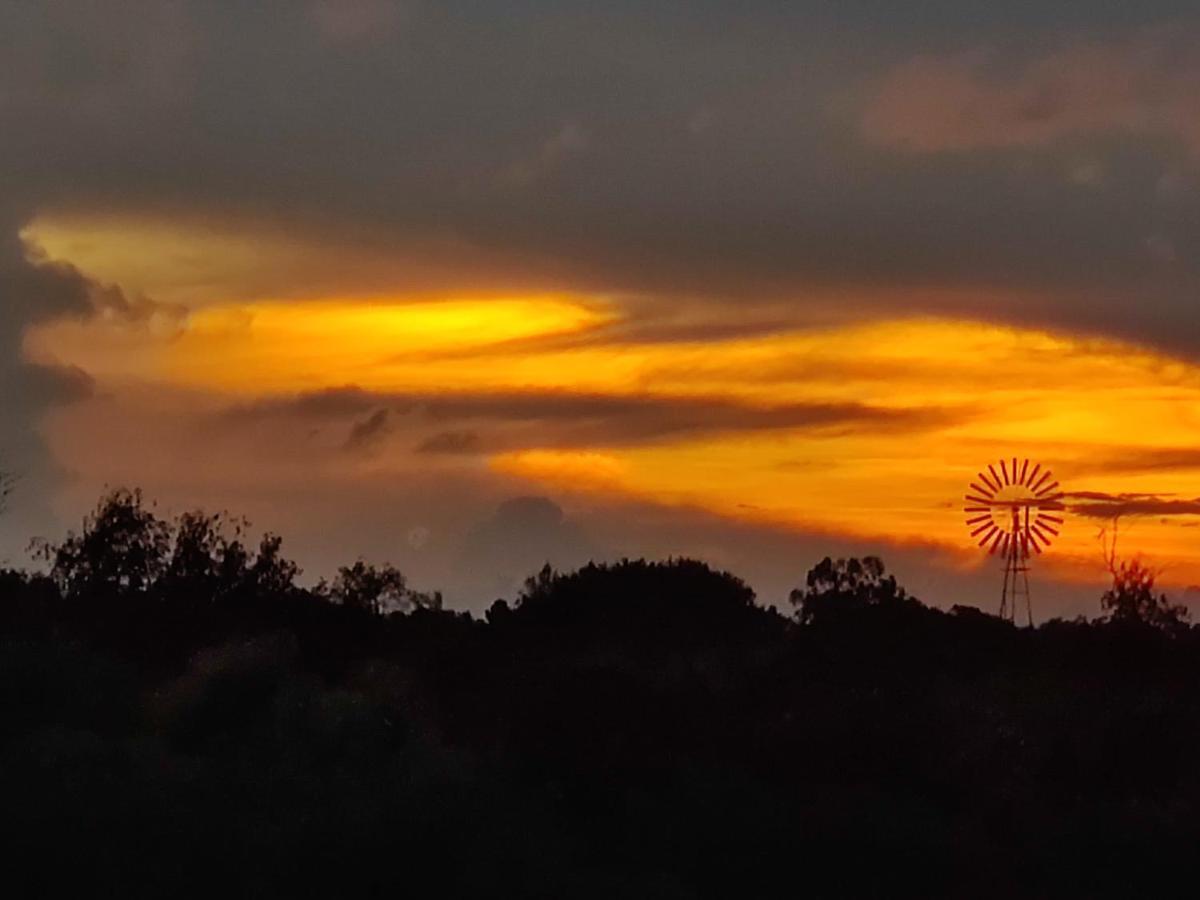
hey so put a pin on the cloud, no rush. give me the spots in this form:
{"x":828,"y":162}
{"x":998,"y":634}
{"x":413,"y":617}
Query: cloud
{"x":354,"y":21}
{"x":451,"y":442}
{"x":1132,"y":460}
{"x":1147,"y":82}
{"x":571,"y":139}
{"x":31,"y":293}
{"x":369,"y":432}
{"x":567,"y":419}
{"x":522,"y":535}
{"x":1100,"y":505}
{"x":111,"y":304}
{"x":377,"y":133}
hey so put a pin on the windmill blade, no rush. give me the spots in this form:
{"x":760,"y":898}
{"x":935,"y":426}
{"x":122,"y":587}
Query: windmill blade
{"x":996,"y":540}
{"x":988,"y":482}
{"x":977,"y":519}
{"x":995,"y":477}
{"x":1004,"y":469}
{"x":1042,"y":534}
{"x":1043,"y":530}
{"x":987,"y":537}
{"x":984,"y":527}
{"x":1004,"y":546}
{"x":1037,"y":467}
{"x":1034,"y":487}
{"x":1046,"y":518}
{"x":981,"y":490}
{"x":1024,"y":469}
{"x":982,"y":500}
{"x":1046,"y":489}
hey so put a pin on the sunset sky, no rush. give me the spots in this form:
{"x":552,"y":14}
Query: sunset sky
{"x":473,"y":286}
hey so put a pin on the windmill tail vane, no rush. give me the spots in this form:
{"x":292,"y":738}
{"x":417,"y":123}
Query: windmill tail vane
{"x":1014,"y":509}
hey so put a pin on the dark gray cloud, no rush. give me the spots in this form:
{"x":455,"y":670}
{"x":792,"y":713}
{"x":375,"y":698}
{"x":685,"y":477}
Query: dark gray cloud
{"x":1101,"y":505}
{"x":369,"y":432}
{"x":451,"y":442}
{"x":1136,"y":459}
{"x":30,"y":293}
{"x":522,"y":535}
{"x":685,"y":151}
{"x":566,"y":419}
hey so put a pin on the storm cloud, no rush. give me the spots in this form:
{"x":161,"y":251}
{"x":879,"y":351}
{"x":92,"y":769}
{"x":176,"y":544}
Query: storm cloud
{"x":708,"y":153}
{"x":30,"y":293}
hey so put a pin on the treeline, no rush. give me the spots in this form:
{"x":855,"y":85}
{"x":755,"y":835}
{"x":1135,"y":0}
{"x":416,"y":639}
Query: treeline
{"x":178,"y":714}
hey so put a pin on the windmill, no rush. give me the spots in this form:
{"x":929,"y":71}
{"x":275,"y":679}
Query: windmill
{"x":1012,"y":512}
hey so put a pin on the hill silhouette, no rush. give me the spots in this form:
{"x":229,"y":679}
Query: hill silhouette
{"x":177,"y":714}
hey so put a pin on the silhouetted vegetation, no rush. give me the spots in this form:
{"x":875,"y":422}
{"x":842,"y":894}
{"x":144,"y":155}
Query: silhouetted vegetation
{"x":178,"y":714}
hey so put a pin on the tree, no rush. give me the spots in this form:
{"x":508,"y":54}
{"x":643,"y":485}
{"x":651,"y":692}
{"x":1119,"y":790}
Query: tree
{"x":834,"y":589}
{"x":122,"y":549}
{"x":539,"y":586}
{"x":379,"y":590}
{"x":1132,"y":599}
{"x":125,"y":549}
{"x":206,"y":562}
{"x":271,"y":574}
{"x":677,"y":596}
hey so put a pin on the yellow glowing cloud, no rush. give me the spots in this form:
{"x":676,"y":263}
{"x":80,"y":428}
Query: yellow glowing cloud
{"x":1070,"y":403}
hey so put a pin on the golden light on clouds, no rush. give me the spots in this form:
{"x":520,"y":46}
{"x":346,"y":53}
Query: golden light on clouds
{"x":869,"y":428}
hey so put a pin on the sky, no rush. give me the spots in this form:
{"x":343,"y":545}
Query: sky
{"x":473,"y":286}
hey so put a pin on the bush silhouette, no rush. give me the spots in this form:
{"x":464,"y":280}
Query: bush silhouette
{"x":636,"y":595}
{"x":836,"y":591}
{"x":1132,"y":599}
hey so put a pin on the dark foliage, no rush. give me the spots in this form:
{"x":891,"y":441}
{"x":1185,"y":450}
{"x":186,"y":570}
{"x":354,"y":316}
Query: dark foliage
{"x":1132,"y":600}
{"x":842,"y":591}
{"x":378,"y":590}
{"x":177,"y":716}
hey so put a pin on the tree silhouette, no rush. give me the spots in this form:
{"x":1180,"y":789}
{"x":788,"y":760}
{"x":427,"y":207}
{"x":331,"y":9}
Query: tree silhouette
{"x":679,"y":594}
{"x":1133,"y":600}
{"x":122,"y":549}
{"x":206,"y":561}
{"x":378,"y":590}
{"x":843,"y":588}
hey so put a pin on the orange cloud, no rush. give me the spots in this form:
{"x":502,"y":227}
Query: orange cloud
{"x":870,"y":430}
